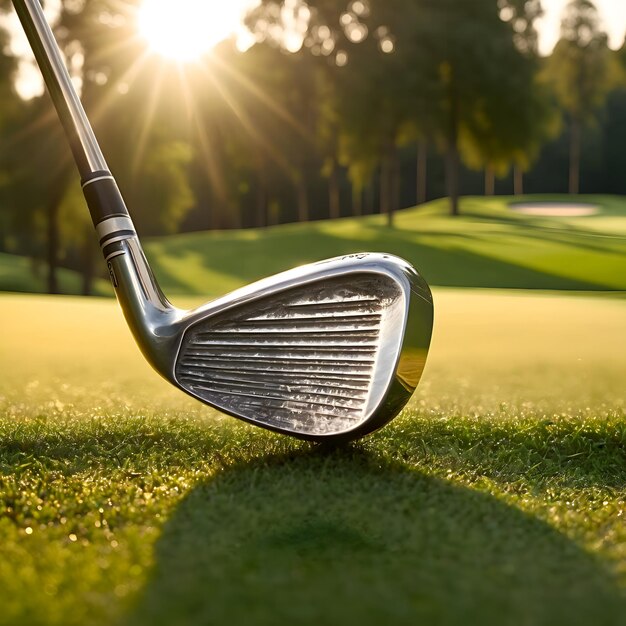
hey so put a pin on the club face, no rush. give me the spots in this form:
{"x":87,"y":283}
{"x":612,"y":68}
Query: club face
{"x":331,"y":350}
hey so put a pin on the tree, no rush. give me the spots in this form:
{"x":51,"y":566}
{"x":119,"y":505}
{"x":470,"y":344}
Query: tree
{"x":328,"y":133}
{"x":9,"y":113}
{"x":512,"y":129}
{"x":459,"y":73}
{"x":39,"y":166}
{"x":582,"y":73}
{"x":371,"y":120}
{"x":137,"y":114}
{"x":261,"y":103}
{"x":509,"y":128}
{"x":307,"y":91}
{"x":614,"y":125}
{"x":144,"y":141}
{"x":455,"y":71}
{"x":477,"y":75}
{"x":357,"y":126}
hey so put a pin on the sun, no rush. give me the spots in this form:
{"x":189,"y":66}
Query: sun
{"x":186,"y":30}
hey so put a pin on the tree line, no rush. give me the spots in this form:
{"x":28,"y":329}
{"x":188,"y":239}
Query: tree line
{"x":371,"y":106}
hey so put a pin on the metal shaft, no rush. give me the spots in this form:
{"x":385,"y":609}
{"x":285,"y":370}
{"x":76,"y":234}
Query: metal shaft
{"x":82,"y":140}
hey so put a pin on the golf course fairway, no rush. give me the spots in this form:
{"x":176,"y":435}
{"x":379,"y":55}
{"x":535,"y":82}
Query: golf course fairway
{"x":496,"y":497}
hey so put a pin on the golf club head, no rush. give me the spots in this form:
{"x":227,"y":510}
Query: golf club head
{"x":331,"y":350}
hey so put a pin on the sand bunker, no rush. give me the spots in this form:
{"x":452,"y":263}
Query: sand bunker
{"x":555,"y":209}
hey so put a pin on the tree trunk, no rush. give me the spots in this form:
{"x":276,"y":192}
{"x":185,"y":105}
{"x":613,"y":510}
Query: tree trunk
{"x":260,"y":206}
{"x":369,"y":198}
{"x":518,"y":180}
{"x":52,"y":256}
{"x":384,"y":185}
{"x":394,"y":183}
{"x":237,"y":219}
{"x":213,"y":207}
{"x":261,"y":201}
{"x":452,"y":157}
{"x":334,"y":202}
{"x":452,"y":178}
{"x":490,"y":181}
{"x":87,"y":269}
{"x":574,"y":154}
{"x":302,"y":199}
{"x":357,"y":201}
{"x":207,"y":143}
{"x":55,"y":197}
{"x":422,"y":164}
{"x":389,"y":181}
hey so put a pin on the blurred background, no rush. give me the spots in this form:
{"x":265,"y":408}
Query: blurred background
{"x":222,"y":116}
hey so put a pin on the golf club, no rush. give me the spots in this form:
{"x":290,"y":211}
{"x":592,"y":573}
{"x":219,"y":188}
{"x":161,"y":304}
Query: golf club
{"x":327,"y":351}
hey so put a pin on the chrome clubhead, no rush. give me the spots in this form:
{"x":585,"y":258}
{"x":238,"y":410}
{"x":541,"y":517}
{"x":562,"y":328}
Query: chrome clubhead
{"x":329,"y":350}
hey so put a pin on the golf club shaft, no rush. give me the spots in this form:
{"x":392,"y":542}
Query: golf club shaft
{"x":135,"y":285}
{"x":82,"y":140}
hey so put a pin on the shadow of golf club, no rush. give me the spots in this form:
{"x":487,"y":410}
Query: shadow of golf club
{"x":345,"y":538}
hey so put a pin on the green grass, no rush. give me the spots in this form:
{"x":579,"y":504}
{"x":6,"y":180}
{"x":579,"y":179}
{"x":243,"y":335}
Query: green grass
{"x":18,"y":274}
{"x":487,"y":246}
{"x":498,"y":497}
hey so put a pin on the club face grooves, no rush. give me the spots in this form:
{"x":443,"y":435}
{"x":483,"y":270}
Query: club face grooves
{"x":318,"y":360}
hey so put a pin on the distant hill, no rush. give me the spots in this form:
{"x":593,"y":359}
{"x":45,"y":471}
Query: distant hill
{"x":16,"y":274}
{"x":488,"y":246}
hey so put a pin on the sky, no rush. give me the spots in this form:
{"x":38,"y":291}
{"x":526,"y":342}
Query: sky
{"x":613,"y":13}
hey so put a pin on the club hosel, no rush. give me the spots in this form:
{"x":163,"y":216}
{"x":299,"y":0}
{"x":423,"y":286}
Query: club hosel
{"x":150,"y":316}
{"x":148,"y":313}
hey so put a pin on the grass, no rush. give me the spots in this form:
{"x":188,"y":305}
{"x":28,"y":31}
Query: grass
{"x":498,"y":497}
{"x":18,"y":274}
{"x":487,"y":246}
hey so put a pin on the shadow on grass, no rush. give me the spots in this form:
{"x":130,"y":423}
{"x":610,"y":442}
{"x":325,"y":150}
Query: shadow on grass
{"x":560,"y":233}
{"x":364,"y":534}
{"x":437,"y":256}
{"x":450,"y":264}
{"x":344,"y":538}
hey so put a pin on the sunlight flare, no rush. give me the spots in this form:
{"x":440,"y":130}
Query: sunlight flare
{"x":188,"y":29}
